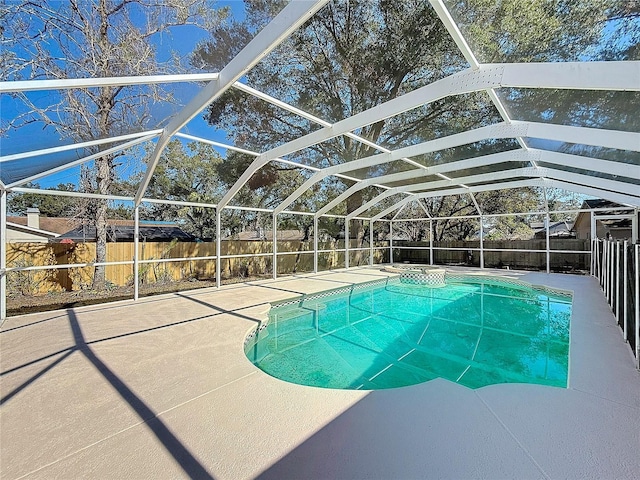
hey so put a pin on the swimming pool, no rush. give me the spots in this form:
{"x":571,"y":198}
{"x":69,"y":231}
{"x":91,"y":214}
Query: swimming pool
{"x":475,"y":331}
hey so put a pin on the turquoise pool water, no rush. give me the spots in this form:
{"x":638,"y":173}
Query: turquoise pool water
{"x":470,"y":331}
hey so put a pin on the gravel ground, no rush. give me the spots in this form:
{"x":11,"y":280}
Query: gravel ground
{"x":18,"y":304}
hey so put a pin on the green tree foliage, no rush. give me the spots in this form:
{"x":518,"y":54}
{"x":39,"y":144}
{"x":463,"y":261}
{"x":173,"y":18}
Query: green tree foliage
{"x":49,"y":205}
{"x":61,"y":206}
{"x":93,"y":39}
{"x":350,"y":57}
{"x":513,"y":200}
{"x":186,"y":173}
{"x":354,"y":55}
{"x":560,"y":30}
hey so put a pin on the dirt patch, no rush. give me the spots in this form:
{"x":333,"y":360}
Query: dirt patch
{"x":19,"y":304}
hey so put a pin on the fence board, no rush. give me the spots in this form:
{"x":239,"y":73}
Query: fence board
{"x":77,"y":278}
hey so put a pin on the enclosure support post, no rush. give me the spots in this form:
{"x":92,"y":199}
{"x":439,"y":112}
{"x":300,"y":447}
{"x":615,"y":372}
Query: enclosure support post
{"x":481,"y":242}
{"x":3,"y":255}
{"x":274,"y":233}
{"x":371,"y":242}
{"x":136,"y":253}
{"x":315,"y":244}
{"x":625,"y":295}
{"x":594,"y":233}
{"x":218,"y":248}
{"x":634,"y":226}
{"x":391,"y":242}
{"x":547,"y":241}
{"x":430,"y":242}
{"x":637,"y":302}
{"x":346,"y":243}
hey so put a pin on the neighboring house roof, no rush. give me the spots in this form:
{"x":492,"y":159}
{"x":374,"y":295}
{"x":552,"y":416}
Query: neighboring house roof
{"x":600,"y":203}
{"x":34,"y":231}
{"x":623,"y":223}
{"x":125,"y":233}
{"x":57,"y":225}
{"x":253,"y":235}
{"x":556,"y":229}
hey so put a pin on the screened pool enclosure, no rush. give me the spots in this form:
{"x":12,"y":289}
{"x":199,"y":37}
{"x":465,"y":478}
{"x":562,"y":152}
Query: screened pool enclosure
{"x":467,"y":109}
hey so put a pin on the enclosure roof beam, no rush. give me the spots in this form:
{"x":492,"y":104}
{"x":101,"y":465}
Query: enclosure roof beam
{"x":588,"y":136}
{"x":583,"y":135}
{"x":455,"y":33}
{"x":630,"y":189}
{"x":455,"y":182}
{"x":76,"y":146}
{"x":424,"y":207}
{"x":71,"y":193}
{"x":482,"y":133}
{"x":533,"y":155}
{"x":70,"y":83}
{"x":400,"y":210}
{"x":461,"y":191}
{"x":596,"y":137}
{"x":589,"y":163}
{"x":594,"y":191}
{"x":292,"y":16}
{"x":566,"y":75}
{"x":475,"y":202}
{"x":372,"y":203}
{"x":308,"y":116}
{"x":86,"y":159}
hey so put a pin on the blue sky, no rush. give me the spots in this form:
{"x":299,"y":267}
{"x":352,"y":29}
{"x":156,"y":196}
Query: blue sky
{"x":180,"y":39}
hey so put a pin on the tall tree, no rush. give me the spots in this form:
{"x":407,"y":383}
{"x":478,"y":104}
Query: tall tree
{"x":188,"y":173}
{"x":355,"y":54}
{"x":349,"y":57}
{"x":49,"y":205}
{"x":94,"y":39}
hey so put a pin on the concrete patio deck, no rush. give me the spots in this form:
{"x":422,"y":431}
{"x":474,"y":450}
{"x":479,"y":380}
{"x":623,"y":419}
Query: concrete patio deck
{"x":161,"y":388}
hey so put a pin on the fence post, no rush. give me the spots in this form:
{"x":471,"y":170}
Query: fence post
{"x":612,"y":272}
{"x":598,"y":263}
{"x":3,"y":256}
{"x":136,"y":244}
{"x":637,"y":302}
{"x":617,"y":291}
{"x":605,"y":272}
{"x":625,"y":296}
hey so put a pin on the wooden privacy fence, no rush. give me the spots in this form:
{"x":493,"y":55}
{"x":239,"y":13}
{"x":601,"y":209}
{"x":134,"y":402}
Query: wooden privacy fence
{"x":500,"y":253}
{"x":167,"y":262}
{"x":175,"y":261}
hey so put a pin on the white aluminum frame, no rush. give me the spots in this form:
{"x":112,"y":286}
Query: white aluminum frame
{"x":546,"y":171}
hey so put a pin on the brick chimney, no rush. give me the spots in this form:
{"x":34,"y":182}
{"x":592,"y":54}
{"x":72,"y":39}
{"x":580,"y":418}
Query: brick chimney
{"x":33,"y":217}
